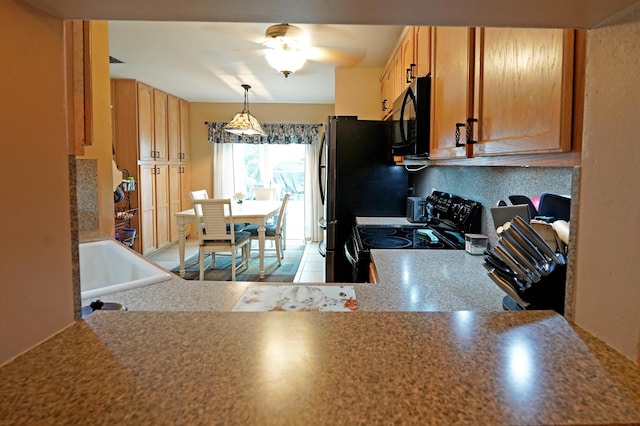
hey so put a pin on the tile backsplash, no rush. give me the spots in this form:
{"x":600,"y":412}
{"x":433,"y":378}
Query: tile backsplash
{"x":489,"y":185}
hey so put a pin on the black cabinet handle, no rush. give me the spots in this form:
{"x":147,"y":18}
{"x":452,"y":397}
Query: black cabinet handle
{"x":469,"y":134}
{"x":384,"y":105}
{"x":411,"y":74}
{"x":458,"y":125}
{"x":407,"y":75}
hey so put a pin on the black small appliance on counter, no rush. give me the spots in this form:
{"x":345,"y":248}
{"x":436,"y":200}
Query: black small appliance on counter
{"x":448,"y":219}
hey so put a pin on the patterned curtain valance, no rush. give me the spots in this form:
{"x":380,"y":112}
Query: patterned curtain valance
{"x":277,"y":133}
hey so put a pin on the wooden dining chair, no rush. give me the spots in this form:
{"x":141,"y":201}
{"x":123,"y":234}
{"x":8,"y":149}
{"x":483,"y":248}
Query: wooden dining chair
{"x":261,"y":193}
{"x":200,"y":194}
{"x":274,"y":232}
{"x":217,"y":233}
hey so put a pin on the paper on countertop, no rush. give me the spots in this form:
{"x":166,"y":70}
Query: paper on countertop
{"x":297,"y":298}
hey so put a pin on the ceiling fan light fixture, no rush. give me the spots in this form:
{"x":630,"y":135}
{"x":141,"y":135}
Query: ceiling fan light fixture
{"x":287,"y":48}
{"x":286,"y":59}
{"x":243,"y":123}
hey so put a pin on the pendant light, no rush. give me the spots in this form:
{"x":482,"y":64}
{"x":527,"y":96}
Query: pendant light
{"x":243,"y":123}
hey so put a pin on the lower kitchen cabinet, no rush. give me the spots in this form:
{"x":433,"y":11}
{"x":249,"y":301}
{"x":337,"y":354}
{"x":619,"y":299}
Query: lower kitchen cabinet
{"x":179,"y":182}
{"x":154,"y":207}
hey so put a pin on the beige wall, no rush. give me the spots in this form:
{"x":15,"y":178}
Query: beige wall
{"x":201,"y":168}
{"x":358,"y":92}
{"x":101,"y":149}
{"x":36,"y":282}
{"x":607,"y":296}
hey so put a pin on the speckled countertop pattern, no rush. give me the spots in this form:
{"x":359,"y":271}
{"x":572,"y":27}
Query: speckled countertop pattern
{"x":185,"y":368}
{"x":430,"y":280}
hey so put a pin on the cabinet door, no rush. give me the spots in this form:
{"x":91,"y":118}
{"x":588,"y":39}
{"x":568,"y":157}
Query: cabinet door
{"x":522,"y":79}
{"x":145,"y":122}
{"x":147,"y":209}
{"x":175,"y":195}
{"x":386,"y":84}
{"x":185,"y":141}
{"x":162,"y":205}
{"x":160,"y":140}
{"x":422,"y":42}
{"x":185,"y":187}
{"x":173,"y":127}
{"x":398,"y":75}
{"x":408,"y":59}
{"x":452,"y":89}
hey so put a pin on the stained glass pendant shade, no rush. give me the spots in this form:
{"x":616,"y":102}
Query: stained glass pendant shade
{"x":244,"y":123}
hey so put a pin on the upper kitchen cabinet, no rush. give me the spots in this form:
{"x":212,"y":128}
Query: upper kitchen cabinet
{"x":502,"y":92}
{"x":151,"y":140}
{"x":411,"y":58}
{"x":422,"y":51}
{"x":77,"y":38}
{"x":524,"y":86}
{"x":160,"y":139}
{"x":451,"y":71}
{"x":386,"y":92}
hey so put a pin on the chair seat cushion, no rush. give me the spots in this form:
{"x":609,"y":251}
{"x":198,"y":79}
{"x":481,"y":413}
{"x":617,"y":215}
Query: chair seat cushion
{"x":237,"y":227}
{"x":241,"y":237}
{"x":269,"y":230}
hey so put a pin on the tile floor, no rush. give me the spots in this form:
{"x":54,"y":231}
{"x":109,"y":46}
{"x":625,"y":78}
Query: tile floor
{"x":311,"y":268}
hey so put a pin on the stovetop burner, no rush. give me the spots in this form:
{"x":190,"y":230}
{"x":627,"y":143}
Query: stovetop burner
{"x":390,"y":237}
{"x":387,"y":242}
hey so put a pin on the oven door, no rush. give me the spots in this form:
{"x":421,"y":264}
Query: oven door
{"x":358,"y":258}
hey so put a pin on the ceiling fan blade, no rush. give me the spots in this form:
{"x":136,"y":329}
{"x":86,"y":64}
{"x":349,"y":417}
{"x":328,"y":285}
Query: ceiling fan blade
{"x":337,"y":56}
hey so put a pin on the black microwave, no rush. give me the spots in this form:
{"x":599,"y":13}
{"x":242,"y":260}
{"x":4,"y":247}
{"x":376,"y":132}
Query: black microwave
{"x":411,"y":120}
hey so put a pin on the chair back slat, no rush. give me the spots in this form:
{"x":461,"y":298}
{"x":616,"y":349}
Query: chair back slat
{"x":200,"y":194}
{"x":261,"y":193}
{"x":213,"y":220}
{"x":283,"y":210}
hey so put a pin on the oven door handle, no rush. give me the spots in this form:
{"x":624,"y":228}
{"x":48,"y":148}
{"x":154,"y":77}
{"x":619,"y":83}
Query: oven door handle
{"x":353,"y":260}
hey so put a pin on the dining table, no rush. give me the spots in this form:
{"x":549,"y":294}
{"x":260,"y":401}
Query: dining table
{"x":256,"y":212}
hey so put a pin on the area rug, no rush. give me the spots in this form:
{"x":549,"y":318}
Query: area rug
{"x":297,"y":298}
{"x":222,"y":269}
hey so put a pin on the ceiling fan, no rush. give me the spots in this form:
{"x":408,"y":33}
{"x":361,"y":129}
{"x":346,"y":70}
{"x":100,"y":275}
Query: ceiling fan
{"x":287,"y":47}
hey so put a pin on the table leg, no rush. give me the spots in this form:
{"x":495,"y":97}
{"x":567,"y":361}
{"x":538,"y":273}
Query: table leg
{"x":181,"y":243}
{"x":261,"y":244}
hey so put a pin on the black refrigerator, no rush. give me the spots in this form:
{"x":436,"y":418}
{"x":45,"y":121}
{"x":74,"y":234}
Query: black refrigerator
{"x":361,"y":180}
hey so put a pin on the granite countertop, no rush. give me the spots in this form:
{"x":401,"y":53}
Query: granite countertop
{"x":396,"y":365}
{"x":430,"y":280}
{"x":178,"y":368}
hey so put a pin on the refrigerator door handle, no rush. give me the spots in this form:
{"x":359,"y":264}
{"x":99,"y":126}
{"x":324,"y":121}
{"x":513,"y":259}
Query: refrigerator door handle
{"x":322,"y":169}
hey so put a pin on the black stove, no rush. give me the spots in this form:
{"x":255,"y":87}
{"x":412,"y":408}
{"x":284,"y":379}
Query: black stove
{"x":408,"y":237}
{"x":449,"y":217}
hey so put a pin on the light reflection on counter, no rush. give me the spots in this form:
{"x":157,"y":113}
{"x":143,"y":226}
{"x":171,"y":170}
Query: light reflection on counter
{"x":464,"y":326}
{"x":286,"y":360}
{"x":521,"y":369}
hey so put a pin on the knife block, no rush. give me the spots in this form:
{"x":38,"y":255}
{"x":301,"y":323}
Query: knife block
{"x":548,"y":293}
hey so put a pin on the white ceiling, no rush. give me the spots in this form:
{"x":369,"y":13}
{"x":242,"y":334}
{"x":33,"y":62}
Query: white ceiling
{"x":204,"y":61}
{"x":208,"y":62}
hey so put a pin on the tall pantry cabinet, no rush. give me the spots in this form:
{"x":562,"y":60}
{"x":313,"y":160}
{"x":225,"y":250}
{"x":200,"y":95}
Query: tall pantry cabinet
{"x":151,"y":140}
